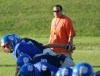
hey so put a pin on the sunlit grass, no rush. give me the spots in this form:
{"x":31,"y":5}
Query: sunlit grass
{"x":32,"y":18}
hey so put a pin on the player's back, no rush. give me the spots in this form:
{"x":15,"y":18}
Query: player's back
{"x":53,"y":60}
{"x":37,"y":44}
{"x":26,"y":48}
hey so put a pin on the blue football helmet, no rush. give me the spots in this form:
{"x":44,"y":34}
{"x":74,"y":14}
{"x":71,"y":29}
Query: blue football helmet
{"x":23,"y":59}
{"x":17,"y":37}
{"x":27,"y":70}
{"x":65,"y":71}
{"x":8,"y":42}
{"x":82,"y":69}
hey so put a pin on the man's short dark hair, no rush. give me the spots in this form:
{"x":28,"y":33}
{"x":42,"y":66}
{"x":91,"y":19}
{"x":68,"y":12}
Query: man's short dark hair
{"x":59,"y":7}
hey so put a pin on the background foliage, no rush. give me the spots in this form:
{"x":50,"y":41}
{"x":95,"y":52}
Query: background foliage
{"x":33,"y":17}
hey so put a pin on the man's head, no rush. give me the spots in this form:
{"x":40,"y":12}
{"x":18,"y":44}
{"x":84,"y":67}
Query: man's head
{"x":82,"y":69}
{"x":8,"y":42}
{"x":57,"y":10}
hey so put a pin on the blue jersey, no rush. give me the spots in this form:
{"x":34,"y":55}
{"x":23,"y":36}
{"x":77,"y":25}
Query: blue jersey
{"x":37,"y":44}
{"x":40,"y":46}
{"x":25,"y":48}
{"x":44,"y":69}
{"x":56,"y":60}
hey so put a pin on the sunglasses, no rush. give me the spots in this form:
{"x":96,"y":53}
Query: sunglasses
{"x":56,"y":11}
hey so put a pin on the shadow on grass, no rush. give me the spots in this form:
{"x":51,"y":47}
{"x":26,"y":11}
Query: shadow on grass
{"x":7,"y":65}
{"x":96,"y":66}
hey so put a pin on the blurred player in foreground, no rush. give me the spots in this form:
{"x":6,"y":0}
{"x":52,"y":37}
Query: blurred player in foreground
{"x":44,"y":69}
{"x":83,"y":69}
{"x":57,"y":61}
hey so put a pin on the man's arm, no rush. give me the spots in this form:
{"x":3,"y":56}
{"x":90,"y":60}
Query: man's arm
{"x":70,"y":40}
{"x":68,"y":46}
{"x":56,"y":45}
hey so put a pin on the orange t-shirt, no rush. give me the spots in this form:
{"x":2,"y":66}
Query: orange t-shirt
{"x":61,"y":29}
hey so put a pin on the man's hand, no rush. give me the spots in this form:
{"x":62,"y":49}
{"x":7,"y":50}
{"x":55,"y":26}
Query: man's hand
{"x":69,"y":47}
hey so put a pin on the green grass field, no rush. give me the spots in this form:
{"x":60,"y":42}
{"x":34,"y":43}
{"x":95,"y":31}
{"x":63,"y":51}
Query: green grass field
{"x":87,"y":50}
{"x":31,"y":18}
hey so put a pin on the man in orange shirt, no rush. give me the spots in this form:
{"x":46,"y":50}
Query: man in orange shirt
{"x":62,"y":33}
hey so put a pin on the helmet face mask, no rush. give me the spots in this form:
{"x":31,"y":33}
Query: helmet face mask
{"x":6,"y":47}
